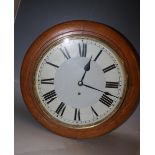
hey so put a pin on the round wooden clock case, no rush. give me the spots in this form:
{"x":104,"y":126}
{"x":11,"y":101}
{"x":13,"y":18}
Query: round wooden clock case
{"x":88,"y":51}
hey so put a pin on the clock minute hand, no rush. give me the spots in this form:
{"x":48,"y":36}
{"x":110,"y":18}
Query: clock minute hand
{"x":106,"y":93}
{"x":86,"y":68}
{"x":92,"y":88}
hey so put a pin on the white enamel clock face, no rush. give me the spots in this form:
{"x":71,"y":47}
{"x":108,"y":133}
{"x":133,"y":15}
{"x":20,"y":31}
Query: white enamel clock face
{"x":80,"y":81}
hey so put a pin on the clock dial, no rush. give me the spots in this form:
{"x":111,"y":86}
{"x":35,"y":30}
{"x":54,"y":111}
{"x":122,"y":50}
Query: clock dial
{"x":80,"y":81}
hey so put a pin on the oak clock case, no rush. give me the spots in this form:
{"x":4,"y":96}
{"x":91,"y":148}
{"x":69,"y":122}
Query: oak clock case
{"x":80,"y":79}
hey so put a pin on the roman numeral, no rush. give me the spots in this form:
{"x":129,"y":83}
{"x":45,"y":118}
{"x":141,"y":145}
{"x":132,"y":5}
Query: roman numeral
{"x":61,"y":108}
{"x":98,"y":55}
{"x":52,"y":64}
{"x":83,"y":50}
{"x":47,"y":81}
{"x":112,"y":84}
{"x":77,"y":114}
{"x":94,"y":111}
{"x":65,"y":53}
{"x":109,"y":68}
{"x":50,"y":96}
{"x":106,"y":100}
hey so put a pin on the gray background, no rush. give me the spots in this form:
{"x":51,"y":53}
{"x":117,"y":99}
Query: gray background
{"x":34,"y":17}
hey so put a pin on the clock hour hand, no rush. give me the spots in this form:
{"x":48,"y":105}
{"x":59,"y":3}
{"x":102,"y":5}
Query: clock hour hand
{"x":86,"y":68}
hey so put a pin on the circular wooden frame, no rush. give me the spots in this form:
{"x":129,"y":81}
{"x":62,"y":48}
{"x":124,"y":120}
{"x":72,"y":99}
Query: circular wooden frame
{"x":116,"y":41}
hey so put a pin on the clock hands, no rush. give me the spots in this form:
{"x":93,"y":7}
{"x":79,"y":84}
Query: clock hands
{"x":80,"y":83}
{"x":92,"y":87}
{"x":86,"y":68}
{"x":106,"y":93}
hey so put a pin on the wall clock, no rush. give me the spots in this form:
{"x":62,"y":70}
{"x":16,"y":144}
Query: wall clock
{"x":80,"y":79}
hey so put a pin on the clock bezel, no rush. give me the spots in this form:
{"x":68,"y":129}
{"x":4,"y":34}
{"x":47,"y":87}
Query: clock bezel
{"x":116,"y":41}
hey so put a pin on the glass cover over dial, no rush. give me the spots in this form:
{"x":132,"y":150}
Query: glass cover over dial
{"x":80,"y":81}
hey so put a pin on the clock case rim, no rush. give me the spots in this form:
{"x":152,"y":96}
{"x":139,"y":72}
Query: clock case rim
{"x":81,"y":27}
